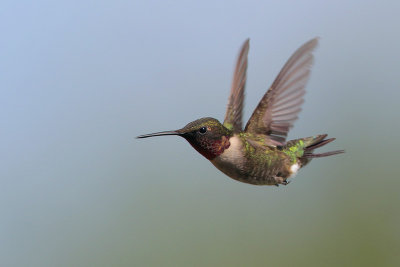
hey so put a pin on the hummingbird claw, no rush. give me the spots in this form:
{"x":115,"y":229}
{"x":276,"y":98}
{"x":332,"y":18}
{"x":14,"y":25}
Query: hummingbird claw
{"x":281,"y":180}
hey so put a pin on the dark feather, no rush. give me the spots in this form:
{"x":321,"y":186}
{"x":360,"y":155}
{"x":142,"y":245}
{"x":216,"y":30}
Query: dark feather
{"x":319,"y":142}
{"x":233,"y":116}
{"x":280,"y":106}
{"x":309,"y":156}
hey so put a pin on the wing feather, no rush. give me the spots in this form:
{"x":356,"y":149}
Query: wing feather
{"x":281,"y":104}
{"x":233,"y":116}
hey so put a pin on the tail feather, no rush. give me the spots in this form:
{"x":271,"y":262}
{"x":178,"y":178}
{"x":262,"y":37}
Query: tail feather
{"x":326,"y":154}
{"x":317,"y":142}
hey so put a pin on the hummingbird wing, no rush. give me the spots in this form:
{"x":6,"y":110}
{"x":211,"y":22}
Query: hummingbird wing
{"x":279,"y":107}
{"x":233,"y":116}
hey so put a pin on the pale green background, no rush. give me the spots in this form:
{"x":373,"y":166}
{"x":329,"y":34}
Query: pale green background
{"x":80,"y":79}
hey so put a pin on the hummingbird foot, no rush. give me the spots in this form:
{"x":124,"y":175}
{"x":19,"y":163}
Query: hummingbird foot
{"x":281,"y":180}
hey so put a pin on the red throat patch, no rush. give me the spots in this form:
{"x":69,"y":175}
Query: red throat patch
{"x":210,"y":150}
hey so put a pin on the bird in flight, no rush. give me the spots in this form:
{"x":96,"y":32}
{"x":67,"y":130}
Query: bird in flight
{"x":259,"y":154}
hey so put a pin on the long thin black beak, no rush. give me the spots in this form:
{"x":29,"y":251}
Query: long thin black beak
{"x":159,"y":134}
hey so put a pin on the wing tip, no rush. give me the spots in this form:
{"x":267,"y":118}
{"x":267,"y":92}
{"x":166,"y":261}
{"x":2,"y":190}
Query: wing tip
{"x":313,"y":43}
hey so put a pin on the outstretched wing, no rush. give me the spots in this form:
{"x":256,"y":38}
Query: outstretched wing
{"x":279,"y":107}
{"x":233,"y":116}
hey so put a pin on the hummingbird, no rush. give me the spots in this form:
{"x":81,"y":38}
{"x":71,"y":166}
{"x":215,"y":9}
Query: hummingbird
{"x":259,"y":154}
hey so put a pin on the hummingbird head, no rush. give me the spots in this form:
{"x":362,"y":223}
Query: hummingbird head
{"x":207,"y":135}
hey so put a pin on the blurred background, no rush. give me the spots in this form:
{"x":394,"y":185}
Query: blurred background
{"x":80,"y":79}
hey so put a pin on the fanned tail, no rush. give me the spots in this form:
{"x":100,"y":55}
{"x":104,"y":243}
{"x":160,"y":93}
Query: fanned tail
{"x":317,"y":142}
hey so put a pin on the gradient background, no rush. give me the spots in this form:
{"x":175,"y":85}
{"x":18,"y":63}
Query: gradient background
{"x":80,"y":79}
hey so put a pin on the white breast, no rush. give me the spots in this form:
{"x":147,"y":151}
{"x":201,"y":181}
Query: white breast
{"x":231,"y":161}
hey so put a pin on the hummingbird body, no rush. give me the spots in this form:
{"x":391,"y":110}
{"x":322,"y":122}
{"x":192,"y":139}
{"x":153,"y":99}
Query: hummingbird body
{"x":259,"y":153}
{"x":256,"y":164}
{"x":248,"y":160}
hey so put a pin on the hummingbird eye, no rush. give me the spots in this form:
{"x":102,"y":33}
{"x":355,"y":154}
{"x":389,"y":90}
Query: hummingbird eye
{"x":203,"y":130}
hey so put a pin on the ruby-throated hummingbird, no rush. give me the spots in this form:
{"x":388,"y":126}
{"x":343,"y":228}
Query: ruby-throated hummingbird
{"x":259,"y":154}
